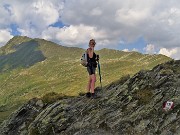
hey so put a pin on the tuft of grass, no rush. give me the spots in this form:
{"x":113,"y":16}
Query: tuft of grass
{"x":82,"y":93}
{"x":132,"y":131}
{"x":144,"y":96}
{"x":166,"y":72}
{"x":34,"y":131}
{"x":52,"y":97}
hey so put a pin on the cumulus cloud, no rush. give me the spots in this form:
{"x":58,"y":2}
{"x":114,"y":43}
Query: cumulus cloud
{"x":130,"y":16}
{"x":76,"y":35}
{"x":110,"y":22}
{"x":128,"y":50}
{"x":125,"y":50}
{"x":150,"y":49}
{"x":135,"y":50}
{"x":156,"y":21}
{"x":174,"y":53}
{"x":32,"y":17}
{"x":5,"y":35}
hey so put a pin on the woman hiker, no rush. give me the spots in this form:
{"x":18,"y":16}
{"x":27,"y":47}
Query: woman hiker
{"x":91,"y":68}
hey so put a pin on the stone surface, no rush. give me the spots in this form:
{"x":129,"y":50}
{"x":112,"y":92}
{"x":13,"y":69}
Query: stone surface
{"x":129,"y":107}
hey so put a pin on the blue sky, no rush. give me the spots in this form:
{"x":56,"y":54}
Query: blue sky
{"x":138,"y":44}
{"x":58,"y":24}
{"x":14,"y":30}
{"x":146,"y":26}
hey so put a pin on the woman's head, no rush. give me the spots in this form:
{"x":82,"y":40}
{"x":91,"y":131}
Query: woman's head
{"x":92,"y":43}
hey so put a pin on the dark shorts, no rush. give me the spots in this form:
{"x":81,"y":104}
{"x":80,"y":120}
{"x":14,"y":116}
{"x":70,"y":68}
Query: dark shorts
{"x":91,"y":70}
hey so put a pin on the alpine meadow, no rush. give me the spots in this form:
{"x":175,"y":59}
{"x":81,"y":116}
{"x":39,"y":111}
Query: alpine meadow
{"x":37,"y":68}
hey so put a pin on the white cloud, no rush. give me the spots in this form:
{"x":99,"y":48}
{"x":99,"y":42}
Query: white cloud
{"x":32,"y":17}
{"x":131,"y":16}
{"x":156,"y":21}
{"x":76,"y":35}
{"x":150,"y":49}
{"x":134,"y":49}
{"x":173,"y":53}
{"x":109,"y":22}
{"x":5,"y":35}
{"x":125,"y":50}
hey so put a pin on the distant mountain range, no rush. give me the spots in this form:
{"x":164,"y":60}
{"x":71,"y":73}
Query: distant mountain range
{"x":34,"y":67}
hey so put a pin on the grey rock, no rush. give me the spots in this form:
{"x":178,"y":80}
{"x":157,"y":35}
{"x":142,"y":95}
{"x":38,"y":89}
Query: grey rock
{"x":131,"y":106}
{"x":40,"y":103}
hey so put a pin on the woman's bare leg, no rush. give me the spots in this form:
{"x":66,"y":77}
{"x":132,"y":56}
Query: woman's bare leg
{"x":89,"y":84}
{"x":93,"y":80}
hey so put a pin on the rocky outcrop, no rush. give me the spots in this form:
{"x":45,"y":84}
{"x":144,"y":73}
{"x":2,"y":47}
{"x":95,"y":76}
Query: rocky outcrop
{"x":130,"y":106}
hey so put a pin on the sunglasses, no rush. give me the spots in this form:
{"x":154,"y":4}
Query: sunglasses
{"x":92,"y":43}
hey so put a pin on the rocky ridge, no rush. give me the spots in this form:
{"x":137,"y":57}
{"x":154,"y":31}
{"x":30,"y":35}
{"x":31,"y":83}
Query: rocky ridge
{"x":128,"y":106}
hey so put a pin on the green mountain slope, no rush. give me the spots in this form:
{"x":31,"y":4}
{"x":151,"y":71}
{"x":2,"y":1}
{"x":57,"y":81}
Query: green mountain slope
{"x":25,"y":55}
{"x":33,"y":67}
{"x":129,"y":106}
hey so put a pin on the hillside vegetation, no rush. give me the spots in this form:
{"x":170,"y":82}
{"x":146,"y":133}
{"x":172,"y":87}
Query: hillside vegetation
{"x":34,"y":67}
{"x":128,"y":106}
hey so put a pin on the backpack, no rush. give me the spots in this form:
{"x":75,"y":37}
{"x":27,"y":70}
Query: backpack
{"x":84,"y":59}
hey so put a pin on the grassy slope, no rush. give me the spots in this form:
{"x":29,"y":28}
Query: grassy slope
{"x":61,"y":72}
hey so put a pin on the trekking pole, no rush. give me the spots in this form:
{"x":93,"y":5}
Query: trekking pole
{"x":99,"y":69}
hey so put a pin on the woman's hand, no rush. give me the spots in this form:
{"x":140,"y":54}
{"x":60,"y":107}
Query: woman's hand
{"x":92,"y":48}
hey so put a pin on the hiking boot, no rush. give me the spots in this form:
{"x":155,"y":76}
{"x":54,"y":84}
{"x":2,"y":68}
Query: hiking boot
{"x":88,"y":94}
{"x":94,"y":96}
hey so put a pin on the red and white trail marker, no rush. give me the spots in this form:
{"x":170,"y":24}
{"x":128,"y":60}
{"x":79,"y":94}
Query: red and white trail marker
{"x":168,"y":105}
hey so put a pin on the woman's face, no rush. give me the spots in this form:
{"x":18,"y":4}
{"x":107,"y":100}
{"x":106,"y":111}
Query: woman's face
{"x":91,"y":44}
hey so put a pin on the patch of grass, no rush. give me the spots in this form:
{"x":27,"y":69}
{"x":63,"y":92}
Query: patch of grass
{"x":132,"y":131}
{"x":82,"y":93}
{"x":177,"y":70}
{"x":5,"y":112}
{"x":144,"y":96}
{"x":166,"y":72}
{"x":4,"y":115}
{"x":52,"y":97}
{"x":34,"y":131}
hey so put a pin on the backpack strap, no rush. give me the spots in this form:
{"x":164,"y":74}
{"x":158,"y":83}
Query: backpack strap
{"x":88,"y":58}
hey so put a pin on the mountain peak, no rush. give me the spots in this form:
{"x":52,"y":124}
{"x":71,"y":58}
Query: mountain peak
{"x":18,"y":40}
{"x":21,"y":37}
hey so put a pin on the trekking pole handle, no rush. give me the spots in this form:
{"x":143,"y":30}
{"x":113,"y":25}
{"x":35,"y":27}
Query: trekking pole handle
{"x":97,"y":57}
